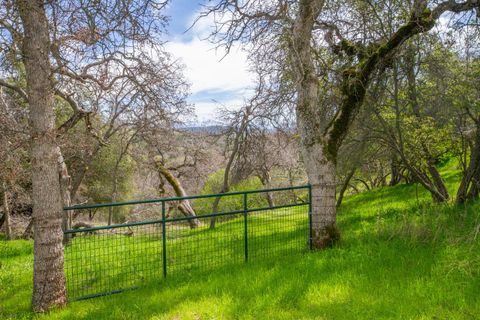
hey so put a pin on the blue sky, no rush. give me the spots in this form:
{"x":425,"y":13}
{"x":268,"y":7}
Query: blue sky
{"x":214,"y":81}
{"x":180,"y":12}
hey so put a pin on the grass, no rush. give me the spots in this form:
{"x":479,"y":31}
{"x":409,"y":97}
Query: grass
{"x":400,"y":257}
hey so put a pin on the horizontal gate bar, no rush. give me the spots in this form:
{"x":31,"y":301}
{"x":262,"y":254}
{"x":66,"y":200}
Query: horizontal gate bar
{"x":159,"y":200}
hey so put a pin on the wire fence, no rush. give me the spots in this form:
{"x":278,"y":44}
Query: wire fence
{"x":105,"y":259}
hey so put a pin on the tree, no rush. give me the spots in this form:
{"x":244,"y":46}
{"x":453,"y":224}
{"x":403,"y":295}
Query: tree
{"x":121,"y":68}
{"x":293,"y":30}
{"x":183,"y":205}
{"x":247,"y":143}
{"x":49,"y":280}
{"x":412,"y":125}
{"x":173,"y":154}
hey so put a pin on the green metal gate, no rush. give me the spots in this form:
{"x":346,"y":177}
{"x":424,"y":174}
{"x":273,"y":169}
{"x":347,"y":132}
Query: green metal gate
{"x":106,"y":259}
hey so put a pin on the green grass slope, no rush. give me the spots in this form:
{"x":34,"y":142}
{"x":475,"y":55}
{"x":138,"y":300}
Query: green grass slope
{"x":400,"y":257}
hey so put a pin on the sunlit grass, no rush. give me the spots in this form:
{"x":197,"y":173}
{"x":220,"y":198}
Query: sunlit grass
{"x":400,"y":257}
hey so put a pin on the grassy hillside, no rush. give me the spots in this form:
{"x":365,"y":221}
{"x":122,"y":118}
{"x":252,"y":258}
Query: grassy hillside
{"x":400,"y":258}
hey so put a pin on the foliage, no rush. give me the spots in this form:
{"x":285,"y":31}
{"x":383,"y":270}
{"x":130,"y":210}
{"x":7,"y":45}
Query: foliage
{"x":423,"y":139}
{"x":101,"y":176}
{"x":213,"y":185}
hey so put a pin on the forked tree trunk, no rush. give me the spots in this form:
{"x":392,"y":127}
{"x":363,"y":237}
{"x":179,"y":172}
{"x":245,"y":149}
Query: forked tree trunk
{"x":183,"y":205}
{"x":48,"y":275}
{"x":320,"y":167}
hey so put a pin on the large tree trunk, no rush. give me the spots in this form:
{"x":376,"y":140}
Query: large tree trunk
{"x":6,"y":212}
{"x":320,"y":166}
{"x":48,"y":274}
{"x":321,"y":175}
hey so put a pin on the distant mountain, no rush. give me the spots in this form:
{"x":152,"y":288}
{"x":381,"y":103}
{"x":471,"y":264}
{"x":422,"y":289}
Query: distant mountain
{"x":210,"y":129}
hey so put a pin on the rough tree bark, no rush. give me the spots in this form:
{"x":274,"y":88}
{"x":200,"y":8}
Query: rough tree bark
{"x":48,"y":275}
{"x":320,"y":168}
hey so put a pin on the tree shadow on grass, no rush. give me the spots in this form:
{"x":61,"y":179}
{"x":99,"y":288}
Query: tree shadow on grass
{"x":368,"y":276}
{"x":387,"y":281}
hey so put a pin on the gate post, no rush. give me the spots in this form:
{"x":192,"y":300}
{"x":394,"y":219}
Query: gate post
{"x":245,"y":219}
{"x":310,"y":238}
{"x":164,"y":240}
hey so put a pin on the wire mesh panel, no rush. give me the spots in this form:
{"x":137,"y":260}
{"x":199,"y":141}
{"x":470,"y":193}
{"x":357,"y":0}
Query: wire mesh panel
{"x":245,"y":226}
{"x":204,"y":248}
{"x":278,"y":232}
{"x":101,"y":261}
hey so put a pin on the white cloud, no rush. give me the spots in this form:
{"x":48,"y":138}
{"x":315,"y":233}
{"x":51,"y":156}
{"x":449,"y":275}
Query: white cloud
{"x":206,"y":70}
{"x":212,"y":74}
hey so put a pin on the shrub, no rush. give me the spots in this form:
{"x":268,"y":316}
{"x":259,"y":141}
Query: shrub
{"x":214,"y":184}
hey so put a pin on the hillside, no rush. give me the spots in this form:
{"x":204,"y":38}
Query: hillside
{"x":400,"y":257}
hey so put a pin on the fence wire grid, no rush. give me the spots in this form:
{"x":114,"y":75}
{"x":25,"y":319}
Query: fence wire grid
{"x":104,"y":259}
